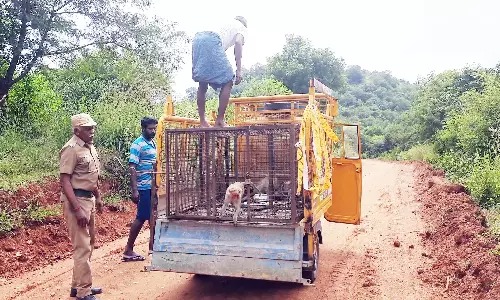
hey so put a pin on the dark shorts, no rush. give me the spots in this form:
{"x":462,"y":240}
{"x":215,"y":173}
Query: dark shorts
{"x":144,"y":205}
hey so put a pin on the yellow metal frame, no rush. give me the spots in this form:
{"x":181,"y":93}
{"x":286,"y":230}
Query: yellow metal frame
{"x":169,"y":120}
{"x":250,"y":110}
{"x":316,"y":112}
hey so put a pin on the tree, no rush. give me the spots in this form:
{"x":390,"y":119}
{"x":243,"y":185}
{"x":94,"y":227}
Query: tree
{"x":191,"y":93}
{"x":299,"y":62}
{"x":354,"y":75}
{"x":265,"y":87}
{"x":107,"y":75}
{"x":439,"y":96}
{"x":33,"y":30}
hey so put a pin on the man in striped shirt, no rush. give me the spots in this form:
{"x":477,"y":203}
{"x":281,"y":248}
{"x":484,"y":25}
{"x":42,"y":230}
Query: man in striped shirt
{"x":141,"y":164}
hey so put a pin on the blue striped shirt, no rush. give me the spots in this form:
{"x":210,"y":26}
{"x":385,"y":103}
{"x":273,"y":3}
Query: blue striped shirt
{"x":143,"y":154}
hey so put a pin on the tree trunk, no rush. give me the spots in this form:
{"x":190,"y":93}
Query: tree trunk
{"x":5,"y":86}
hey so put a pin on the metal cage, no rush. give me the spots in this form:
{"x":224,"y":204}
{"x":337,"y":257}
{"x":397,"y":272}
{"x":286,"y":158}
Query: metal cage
{"x":202,"y":163}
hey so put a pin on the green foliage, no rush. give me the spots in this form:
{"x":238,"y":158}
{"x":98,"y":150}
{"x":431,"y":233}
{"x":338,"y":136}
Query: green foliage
{"x":456,"y":112}
{"x":118,"y":122}
{"x":376,"y":100}
{"x":493,"y":218}
{"x":484,"y":181}
{"x":14,"y":218}
{"x":299,"y":61}
{"x":38,"y":214}
{"x":469,"y":141}
{"x":474,"y":128}
{"x":265,"y":87}
{"x":107,"y":75}
{"x":424,"y":152}
{"x":112,"y":199}
{"x":30,"y":106}
{"x":23,"y":159}
{"x":118,"y":125}
{"x":440,"y":96}
{"x":118,"y":90}
{"x":8,"y":222}
{"x":47,"y":28}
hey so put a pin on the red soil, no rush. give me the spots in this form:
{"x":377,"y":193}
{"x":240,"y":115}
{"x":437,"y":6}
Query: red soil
{"x":38,"y":245}
{"x":458,"y":247}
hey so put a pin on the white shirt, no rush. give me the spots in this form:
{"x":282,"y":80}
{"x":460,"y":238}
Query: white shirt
{"x":228,"y":32}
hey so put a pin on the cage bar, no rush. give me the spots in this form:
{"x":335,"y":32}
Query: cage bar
{"x":202,"y":163}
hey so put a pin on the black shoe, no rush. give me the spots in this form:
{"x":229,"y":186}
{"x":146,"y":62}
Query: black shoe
{"x":94,"y":291}
{"x":88,"y":297}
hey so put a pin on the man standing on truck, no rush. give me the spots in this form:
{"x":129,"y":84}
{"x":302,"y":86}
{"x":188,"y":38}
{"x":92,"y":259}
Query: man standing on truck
{"x":142,"y":163}
{"x":212,"y":67}
{"x":79,"y":169}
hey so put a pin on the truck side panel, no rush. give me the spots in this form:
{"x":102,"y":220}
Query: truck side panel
{"x":260,"y":252}
{"x":231,"y":266}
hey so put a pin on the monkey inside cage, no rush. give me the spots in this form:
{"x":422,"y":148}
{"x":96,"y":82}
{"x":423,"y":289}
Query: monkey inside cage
{"x":202,"y":163}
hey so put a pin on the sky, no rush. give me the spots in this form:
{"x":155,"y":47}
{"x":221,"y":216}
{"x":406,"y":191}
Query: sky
{"x":408,"y":38}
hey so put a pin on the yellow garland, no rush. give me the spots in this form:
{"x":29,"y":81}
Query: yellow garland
{"x":321,"y":134}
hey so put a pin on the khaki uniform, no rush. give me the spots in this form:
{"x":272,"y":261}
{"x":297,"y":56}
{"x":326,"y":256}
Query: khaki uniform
{"x":82,"y":162}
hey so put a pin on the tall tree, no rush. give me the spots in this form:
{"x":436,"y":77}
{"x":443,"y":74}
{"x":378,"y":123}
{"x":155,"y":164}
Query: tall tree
{"x":299,"y":61}
{"x":31,"y":30}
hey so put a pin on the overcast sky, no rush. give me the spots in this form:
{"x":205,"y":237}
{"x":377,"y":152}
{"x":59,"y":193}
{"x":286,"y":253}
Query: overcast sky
{"x":408,"y":38}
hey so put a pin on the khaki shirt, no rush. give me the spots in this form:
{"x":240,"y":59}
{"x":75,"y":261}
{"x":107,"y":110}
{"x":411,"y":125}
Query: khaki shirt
{"x":82,"y":162}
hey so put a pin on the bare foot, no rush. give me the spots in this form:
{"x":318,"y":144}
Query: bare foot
{"x":204,"y":124}
{"x":220,"y":124}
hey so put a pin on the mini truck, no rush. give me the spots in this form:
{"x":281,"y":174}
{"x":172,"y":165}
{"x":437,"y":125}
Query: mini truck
{"x":314,"y":169}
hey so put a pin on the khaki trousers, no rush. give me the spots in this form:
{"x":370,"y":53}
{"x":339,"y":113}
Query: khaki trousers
{"x":83,"y":240}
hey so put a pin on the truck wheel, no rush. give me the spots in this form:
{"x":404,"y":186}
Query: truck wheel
{"x":312,"y":274}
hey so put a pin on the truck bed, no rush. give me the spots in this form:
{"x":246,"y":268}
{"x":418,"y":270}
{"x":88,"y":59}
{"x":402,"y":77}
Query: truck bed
{"x":204,"y":247}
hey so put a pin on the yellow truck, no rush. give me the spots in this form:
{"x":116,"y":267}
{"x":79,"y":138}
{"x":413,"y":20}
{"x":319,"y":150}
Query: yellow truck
{"x":313,"y":167}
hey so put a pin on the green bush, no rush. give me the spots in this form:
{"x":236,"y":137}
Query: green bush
{"x":23,"y":159}
{"x":37,"y":214}
{"x":484,"y":181}
{"x":423,"y":152}
{"x":493,"y":218}
{"x":30,"y":106}
{"x":8,"y":221}
{"x":118,"y":123}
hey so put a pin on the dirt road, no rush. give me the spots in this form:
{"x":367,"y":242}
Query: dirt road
{"x":357,"y":262}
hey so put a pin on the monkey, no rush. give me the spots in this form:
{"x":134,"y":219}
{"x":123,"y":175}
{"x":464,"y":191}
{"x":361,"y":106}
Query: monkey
{"x":234,"y":195}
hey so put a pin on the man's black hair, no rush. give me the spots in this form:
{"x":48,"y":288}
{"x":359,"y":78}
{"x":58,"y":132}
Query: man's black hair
{"x":146,"y":121}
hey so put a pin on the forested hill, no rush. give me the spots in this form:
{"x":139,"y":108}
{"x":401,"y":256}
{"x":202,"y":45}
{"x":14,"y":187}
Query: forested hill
{"x":376,"y":100}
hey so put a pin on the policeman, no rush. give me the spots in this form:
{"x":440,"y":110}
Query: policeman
{"x":79,"y":169}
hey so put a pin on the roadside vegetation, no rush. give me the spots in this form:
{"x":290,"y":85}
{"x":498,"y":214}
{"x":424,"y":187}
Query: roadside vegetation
{"x":449,"y":119}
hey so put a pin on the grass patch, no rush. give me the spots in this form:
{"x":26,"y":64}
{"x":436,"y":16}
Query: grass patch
{"x":11,"y":220}
{"x":115,"y":202}
{"x":24,"y":160}
{"x":38,"y":214}
{"x":112,"y":199}
{"x":423,"y":152}
{"x":493,"y":218}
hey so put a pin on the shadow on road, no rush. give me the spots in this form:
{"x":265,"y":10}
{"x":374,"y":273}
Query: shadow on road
{"x":214,"y":287}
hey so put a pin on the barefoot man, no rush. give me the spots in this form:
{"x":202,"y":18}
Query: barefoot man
{"x":212,"y":67}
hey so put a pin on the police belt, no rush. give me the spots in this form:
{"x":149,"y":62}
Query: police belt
{"x":83,"y":193}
